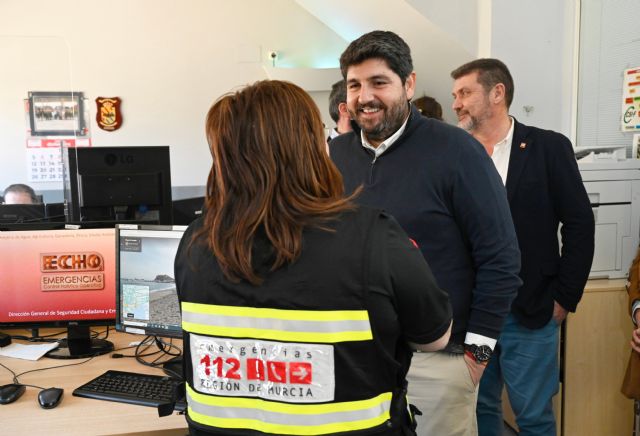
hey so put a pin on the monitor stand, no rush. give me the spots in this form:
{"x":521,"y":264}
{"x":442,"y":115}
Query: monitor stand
{"x":79,"y":344}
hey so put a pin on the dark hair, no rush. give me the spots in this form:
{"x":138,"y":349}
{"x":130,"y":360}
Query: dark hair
{"x":337,"y":95}
{"x":379,"y":44}
{"x":270,"y":173}
{"x":24,"y":189}
{"x":490,"y":73}
{"x":429,"y":107}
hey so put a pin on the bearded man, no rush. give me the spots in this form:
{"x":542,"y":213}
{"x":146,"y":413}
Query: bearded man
{"x":441,"y":186}
{"x":545,"y":190}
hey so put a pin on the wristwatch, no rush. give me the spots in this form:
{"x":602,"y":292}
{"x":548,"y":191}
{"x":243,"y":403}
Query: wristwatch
{"x":480,"y":353}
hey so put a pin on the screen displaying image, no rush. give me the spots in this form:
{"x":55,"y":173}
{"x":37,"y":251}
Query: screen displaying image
{"x":147,"y":290}
{"x":57,"y":276}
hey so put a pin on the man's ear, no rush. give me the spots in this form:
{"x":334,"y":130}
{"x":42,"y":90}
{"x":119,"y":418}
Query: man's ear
{"x":410,"y":85}
{"x":342,"y":108}
{"x":498,"y":93}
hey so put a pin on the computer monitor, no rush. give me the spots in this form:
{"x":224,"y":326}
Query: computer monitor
{"x":59,"y":278}
{"x":146,"y":296}
{"x":118,"y":183}
{"x":35,"y":225}
{"x":55,"y":212}
{"x":18,"y":213}
{"x":187,"y":209}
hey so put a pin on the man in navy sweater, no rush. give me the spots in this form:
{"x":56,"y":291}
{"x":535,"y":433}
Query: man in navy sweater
{"x":443,"y":189}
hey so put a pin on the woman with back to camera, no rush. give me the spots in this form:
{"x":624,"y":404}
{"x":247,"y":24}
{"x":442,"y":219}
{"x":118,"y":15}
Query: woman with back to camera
{"x":299,"y":309}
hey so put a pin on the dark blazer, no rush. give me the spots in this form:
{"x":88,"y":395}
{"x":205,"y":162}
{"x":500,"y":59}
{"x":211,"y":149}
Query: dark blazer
{"x":544,"y":189}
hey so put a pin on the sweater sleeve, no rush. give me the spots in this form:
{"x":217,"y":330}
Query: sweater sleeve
{"x":423,"y":309}
{"x":481,"y":208}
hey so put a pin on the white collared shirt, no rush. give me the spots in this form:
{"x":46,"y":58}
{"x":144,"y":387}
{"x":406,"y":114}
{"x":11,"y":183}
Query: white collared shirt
{"x":502,"y":153}
{"x":384,"y":145}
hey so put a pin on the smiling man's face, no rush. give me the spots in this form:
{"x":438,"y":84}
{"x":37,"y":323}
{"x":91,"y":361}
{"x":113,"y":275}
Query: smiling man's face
{"x":377,"y":99}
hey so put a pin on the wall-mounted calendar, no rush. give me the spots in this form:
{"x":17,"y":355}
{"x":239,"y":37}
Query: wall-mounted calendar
{"x":44,"y":158}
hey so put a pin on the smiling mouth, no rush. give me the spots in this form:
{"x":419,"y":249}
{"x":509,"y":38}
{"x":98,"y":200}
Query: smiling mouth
{"x":369,"y":110}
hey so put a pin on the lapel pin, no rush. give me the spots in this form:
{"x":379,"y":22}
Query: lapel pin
{"x":523,"y":145}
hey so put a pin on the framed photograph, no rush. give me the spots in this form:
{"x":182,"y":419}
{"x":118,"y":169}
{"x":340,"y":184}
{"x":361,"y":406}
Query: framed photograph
{"x":57,"y":113}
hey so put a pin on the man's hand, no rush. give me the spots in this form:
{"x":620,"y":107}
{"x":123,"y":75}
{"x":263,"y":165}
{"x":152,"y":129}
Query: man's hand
{"x":559,"y":312}
{"x":635,"y":334}
{"x":475,"y":369}
{"x":635,"y":340}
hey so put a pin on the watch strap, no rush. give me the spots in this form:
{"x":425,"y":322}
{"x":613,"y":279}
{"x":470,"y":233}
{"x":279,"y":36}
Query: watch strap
{"x":480,"y":353}
{"x":473,"y":357}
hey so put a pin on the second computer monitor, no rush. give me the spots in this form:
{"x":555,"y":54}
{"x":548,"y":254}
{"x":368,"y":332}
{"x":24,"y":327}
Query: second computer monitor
{"x":118,"y":184}
{"x":146,"y":296}
{"x":187,"y":209}
{"x":21,"y":213}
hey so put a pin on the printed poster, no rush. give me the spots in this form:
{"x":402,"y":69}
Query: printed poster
{"x":631,"y":100}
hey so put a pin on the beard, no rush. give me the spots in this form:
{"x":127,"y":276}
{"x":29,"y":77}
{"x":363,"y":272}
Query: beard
{"x":470,"y":124}
{"x":473,"y":122}
{"x":393,"y":117}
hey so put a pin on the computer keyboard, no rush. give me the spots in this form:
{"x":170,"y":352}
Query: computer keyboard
{"x":133,"y":388}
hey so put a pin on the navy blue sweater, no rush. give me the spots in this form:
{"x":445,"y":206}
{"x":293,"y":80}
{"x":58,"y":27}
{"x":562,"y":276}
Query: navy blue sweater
{"x":441,"y":186}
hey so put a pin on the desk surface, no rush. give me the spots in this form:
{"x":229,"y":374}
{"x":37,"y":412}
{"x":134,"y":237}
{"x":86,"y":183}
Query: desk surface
{"x":605,"y":285}
{"x":80,"y":416}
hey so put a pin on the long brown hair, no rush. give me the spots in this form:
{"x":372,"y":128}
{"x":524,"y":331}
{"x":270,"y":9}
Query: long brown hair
{"x":270,"y":172}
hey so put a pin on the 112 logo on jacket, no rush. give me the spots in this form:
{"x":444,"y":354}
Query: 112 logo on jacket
{"x":292,"y":372}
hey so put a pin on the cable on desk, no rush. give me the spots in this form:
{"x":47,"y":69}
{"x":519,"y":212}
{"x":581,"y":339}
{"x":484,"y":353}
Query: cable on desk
{"x":51,"y":337}
{"x":96,"y":335}
{"x":164,"y":349}
{"x":15,"y":376}
{"x":147,"y":342}
{"x":39,"y":338}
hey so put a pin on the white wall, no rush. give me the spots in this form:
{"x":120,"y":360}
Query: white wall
{"x":39,"y":60}
{"x":167,"y":59}
{"x":535,"y":38}
{"x":457,"y":17}
{"x":435,"y":50}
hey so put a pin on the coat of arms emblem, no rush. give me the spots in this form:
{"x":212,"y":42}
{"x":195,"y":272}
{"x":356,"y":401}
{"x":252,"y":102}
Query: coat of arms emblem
{"x":108,"y":114}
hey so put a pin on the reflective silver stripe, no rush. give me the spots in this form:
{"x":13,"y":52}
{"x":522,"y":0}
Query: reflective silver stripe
{"x":288,"y":418}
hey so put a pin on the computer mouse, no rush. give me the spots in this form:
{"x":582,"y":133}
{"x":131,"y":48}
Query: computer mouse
{"x":10,"y":393}
{"x":50,"y":397}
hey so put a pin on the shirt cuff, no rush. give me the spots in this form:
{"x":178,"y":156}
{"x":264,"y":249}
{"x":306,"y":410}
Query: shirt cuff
{"x":473,"y":338}
{"x":636,"y":305}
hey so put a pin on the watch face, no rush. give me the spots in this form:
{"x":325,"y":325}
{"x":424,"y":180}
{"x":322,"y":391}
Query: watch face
{"x":482,"y":353}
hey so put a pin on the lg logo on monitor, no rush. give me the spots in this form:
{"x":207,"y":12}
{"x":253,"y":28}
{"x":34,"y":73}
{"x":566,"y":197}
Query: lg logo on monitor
{"x":112,"y":159}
